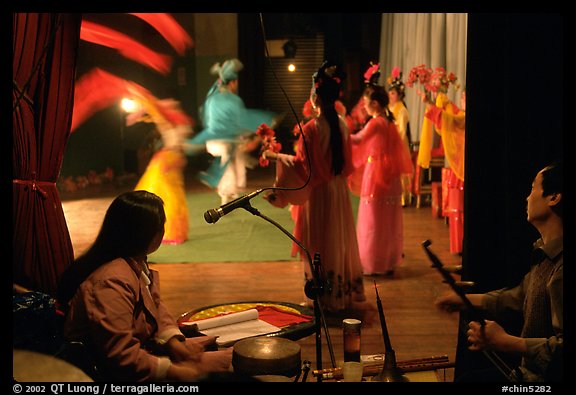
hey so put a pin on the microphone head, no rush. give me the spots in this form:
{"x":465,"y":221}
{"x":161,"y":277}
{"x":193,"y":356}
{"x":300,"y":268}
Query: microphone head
{"x":211,"y":216}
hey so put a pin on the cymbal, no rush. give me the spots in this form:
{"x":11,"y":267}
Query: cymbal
{"x":31,"y":366}
{"x":266,"y":356}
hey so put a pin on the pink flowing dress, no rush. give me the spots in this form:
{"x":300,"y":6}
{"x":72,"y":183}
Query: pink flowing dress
{"x":380,"y":160}
{"x":324,"y":220}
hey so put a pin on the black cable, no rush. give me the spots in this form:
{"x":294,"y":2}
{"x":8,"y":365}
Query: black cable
{"x":291,"y":109}
{"x":316,"y":281}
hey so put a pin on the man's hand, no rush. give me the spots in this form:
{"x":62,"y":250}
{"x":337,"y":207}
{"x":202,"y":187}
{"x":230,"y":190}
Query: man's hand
{"x":449,"y":301}
{"x":492,"y":336}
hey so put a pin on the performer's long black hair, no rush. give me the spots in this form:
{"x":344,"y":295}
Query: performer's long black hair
{"x":327,"y":84}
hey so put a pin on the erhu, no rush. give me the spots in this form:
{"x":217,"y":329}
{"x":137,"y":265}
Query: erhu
{"x":390,"y":371}
{"x":471,"y":309}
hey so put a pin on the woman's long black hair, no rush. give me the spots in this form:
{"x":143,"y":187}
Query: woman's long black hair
{"x":131,"y":222}
{"x":327,"y":84}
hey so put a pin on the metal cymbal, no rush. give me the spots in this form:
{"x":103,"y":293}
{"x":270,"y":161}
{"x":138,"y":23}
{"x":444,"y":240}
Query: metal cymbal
{"x":262,"y":356}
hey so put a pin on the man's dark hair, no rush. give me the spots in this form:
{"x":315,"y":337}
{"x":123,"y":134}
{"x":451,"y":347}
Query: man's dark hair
{"x":553,"y":182}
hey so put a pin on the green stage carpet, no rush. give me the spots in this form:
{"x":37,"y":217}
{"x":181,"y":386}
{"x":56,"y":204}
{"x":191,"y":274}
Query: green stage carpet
{"x":239,"y":236}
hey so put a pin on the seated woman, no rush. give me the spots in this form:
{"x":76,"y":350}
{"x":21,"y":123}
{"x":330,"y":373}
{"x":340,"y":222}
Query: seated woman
{"x":113,"y":304}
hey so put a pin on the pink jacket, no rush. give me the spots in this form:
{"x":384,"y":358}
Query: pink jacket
{"x":119,"y":318}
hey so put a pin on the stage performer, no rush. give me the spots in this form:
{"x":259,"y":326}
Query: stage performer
{"x":396,"y":95}
{"x":358,"y":116}
{"x":381,"y":158}
{"x":449,"y":121}
{"x":113,"y":303}
{"x":226,"y":123}
{"x":164,"y":174}
{"x":324,"y":220}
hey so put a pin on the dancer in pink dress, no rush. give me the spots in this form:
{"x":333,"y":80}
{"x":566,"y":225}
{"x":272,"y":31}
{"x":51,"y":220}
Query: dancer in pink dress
{"x":380,"y":160}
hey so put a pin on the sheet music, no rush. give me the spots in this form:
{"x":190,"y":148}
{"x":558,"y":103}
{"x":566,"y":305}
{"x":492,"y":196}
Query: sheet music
{"x":235,"y":326}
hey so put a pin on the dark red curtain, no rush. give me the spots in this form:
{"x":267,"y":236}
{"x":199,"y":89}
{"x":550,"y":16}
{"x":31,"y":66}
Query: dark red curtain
{"x":43,"y":66}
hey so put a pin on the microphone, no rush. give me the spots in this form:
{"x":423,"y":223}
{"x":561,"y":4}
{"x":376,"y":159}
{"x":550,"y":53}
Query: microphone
{"x":213,"y":215}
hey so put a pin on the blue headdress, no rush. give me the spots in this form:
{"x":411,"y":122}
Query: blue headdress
{"x":226,"y":72}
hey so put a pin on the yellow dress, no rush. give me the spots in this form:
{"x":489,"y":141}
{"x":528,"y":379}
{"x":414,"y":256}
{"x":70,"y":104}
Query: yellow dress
{"x":401,"y":119}
{"x":164,"y":176}
{"x":451,"y":127}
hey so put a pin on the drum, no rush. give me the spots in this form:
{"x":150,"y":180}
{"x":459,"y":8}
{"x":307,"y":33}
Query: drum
{"x":266,"y":356}
{"x":31,"y":366}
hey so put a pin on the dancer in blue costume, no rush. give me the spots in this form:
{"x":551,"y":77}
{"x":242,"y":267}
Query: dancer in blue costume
{"x":227,"y":122}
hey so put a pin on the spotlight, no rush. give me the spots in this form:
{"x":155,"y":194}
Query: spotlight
{"x":129,"y":105}
{"x":291,"y":67}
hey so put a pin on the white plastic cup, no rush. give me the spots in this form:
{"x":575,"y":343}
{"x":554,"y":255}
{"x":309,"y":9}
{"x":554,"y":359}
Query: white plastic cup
{"x":352,"y":371}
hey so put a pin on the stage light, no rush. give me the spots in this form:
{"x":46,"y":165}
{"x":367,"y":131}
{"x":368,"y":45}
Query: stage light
{"x":129,"y":105}
{"x":291,"y":67}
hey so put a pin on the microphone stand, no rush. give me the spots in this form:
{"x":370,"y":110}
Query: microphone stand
{"x":314,"y":291}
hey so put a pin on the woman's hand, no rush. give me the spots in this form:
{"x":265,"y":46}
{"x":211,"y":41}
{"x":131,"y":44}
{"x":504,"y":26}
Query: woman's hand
{"x":218,"y":361}
{"x":186,"y":371}
{"x":194,"y":370}
{"x":270,"y":155}
{"x":425,"y":99}
{"x":182,"y":350}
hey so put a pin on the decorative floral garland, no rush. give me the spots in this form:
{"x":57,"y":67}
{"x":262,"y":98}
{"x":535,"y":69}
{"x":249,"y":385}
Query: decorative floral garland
{"x":269,"y":143}
{"x":432,"y":80}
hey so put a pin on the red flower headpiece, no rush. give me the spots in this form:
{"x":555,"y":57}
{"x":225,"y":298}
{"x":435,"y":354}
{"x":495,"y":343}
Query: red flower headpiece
{"x":269,"y":142}
{"x":395,"y":81}
{"x":372,"y":74}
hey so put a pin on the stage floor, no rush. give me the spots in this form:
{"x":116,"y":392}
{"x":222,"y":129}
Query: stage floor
{"x":416,"y":328}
